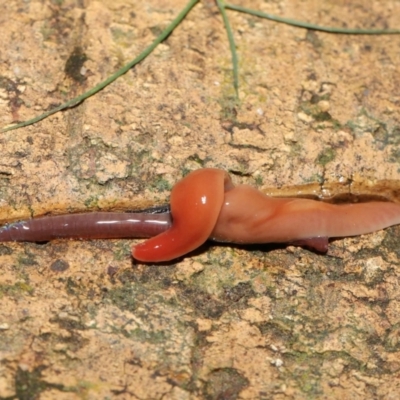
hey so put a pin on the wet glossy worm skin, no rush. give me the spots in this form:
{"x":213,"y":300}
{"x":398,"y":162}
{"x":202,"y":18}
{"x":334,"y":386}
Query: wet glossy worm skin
{"x":249,"y":216}
{"x":96,"y":225}
{"x":195,"y":205}
{"x":206,"y":205}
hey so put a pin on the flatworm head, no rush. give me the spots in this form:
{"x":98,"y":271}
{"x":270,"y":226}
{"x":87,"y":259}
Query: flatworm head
{"x":195,"y":202}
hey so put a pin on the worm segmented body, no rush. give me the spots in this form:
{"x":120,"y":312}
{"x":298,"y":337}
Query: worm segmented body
{"x":206,"y":205}
{"x":96,"y":225}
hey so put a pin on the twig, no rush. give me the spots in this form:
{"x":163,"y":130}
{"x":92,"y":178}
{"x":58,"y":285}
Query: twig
{"x":300,"y":24}
{"x":232,"y":46}
{"x":73,"y":102}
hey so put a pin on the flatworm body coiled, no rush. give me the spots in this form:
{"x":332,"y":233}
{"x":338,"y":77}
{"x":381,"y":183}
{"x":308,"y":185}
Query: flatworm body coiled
{"x":207,"y":205}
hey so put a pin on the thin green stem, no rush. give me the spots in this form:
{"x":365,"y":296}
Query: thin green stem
{"x":75,"y":101}
{"x":232,"y":46}
{"x":306,"y":25}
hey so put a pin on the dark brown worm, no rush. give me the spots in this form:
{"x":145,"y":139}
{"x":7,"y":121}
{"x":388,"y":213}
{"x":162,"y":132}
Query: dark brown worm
{"x":95,"y":225}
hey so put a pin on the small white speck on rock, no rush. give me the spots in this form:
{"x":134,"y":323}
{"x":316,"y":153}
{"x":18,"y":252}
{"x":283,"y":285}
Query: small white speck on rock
{"x":277,"y":362}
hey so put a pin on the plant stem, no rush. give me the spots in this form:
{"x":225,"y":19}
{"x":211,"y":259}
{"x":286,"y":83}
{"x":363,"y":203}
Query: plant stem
{"x":77,"y":100}
{"x":232,"y":46}
{"x":300,"y":24}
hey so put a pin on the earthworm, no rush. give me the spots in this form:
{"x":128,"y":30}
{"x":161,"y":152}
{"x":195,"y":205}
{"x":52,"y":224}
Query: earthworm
{"x":95,"y":225}
{"x":206,"y":205}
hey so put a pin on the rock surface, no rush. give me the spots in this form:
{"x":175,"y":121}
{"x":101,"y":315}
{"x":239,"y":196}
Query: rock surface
{"x":80,"y":319}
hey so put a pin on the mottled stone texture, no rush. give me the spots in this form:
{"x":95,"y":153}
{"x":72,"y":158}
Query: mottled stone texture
{"x":80,"y":319}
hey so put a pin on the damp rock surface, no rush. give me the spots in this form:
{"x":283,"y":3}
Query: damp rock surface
{"x":317,"y":112}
